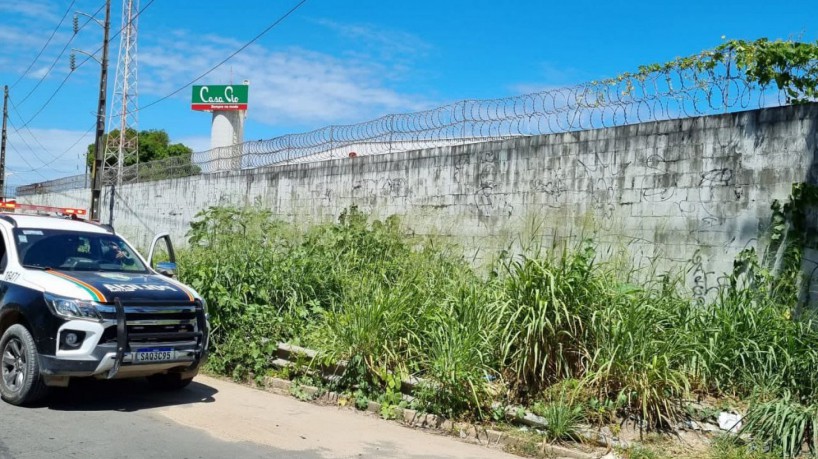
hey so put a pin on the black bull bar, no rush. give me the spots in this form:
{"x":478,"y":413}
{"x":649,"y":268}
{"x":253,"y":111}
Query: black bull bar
{"x":123,"y":337}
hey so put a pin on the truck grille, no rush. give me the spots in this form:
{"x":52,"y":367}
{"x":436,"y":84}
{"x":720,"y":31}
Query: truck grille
{"x":161,"y":323}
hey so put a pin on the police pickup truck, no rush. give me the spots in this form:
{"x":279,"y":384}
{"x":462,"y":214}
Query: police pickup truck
{"x":76,"y":300}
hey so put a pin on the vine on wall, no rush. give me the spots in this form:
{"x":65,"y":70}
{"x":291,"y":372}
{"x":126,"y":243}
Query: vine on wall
{"x":791,"y":232}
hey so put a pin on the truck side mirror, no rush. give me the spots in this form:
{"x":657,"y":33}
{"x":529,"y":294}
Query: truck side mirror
{"x":166,"y":268}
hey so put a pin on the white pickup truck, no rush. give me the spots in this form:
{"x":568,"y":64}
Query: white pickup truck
{"x":76,"y":300}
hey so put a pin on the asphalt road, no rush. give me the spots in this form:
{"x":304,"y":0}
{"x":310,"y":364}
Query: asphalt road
{"x":210,"y":419}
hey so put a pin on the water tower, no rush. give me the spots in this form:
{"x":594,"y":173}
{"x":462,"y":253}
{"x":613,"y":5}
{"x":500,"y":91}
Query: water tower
{"x":228,"y":104}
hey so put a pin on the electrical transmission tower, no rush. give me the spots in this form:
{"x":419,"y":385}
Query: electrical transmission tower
{"x":122,"y":149}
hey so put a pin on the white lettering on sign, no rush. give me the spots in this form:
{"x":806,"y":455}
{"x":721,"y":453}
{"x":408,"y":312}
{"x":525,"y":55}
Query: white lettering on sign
{"x":227,"y":99}
{"x":136,"y":287}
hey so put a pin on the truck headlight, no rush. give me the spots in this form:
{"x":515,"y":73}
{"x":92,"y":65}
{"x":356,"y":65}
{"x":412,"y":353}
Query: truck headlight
{"x":72,"y":308}
{"x":204,"y":307}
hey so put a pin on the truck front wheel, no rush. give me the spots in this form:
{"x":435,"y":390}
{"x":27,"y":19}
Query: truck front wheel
{"x":20,"y":380}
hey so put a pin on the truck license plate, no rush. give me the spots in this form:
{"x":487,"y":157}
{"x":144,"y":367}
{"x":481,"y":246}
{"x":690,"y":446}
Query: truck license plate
{"x":150,"y":355}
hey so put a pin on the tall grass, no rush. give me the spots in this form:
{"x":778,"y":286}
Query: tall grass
{"x":375,"y":322}
{"x":460,"y":352}
{"x":786,"y":422}
{"x":545,"y":310}
{"x":638,"y":355}
{"x":367,"y":293}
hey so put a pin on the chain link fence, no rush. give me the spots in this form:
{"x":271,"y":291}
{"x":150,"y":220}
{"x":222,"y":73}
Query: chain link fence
{"x":62,"y":184}
{"x":669,"y":93}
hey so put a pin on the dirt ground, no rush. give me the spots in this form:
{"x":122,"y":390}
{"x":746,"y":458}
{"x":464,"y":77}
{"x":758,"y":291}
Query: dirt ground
{"x":243,"y":414}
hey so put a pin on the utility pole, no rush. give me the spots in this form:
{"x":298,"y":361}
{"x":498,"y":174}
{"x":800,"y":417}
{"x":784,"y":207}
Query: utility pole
{"x":3,"y":144}
{"x":111,"y":205}
{"x":96,"y":171}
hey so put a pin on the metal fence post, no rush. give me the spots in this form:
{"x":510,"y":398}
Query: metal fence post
{"x":463,"y":128}
{"x":391,"y":130}
{"x":331,"y":153}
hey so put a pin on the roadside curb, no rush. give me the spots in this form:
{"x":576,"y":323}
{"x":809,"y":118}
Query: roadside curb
{"x":412,"y":418}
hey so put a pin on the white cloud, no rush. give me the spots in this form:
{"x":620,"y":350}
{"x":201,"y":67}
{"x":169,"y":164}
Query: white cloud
{"x":38,"y":73}
{"x":393,"y":44}
{"x":55,"y":153}
{"x":292,"y":85}
{"x":197,"y":143}
{"x":20,"y":37}
{"x":30,"y":8}
{"x":25,"y":45}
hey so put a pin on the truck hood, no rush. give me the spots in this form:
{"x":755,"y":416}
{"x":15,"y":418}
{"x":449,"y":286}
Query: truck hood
{"x":104,"y":287}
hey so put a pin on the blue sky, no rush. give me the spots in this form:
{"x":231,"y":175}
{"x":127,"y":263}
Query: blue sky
{"x":344,"y":61}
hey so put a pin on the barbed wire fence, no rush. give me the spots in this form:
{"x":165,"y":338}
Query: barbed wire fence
{"x":667,"y":93}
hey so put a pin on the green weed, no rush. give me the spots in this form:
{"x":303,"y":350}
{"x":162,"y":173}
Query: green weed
{"x":639,"y":452}
{"x":730,"y":447}
{"x":562,"y":420}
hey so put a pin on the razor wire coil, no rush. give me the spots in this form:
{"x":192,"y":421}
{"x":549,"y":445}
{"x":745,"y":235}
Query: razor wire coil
{"x":630,"y":99}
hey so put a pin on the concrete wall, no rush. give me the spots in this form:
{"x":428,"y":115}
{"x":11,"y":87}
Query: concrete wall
{"x":695,"y":191}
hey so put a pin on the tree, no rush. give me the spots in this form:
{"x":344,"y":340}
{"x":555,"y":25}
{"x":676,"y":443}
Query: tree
{"x":154,"y":144}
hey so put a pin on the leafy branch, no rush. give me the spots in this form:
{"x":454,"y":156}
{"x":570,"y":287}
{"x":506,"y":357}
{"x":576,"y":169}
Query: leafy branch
{"x":791,"y":65}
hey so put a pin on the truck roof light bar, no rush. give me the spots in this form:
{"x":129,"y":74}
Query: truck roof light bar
{"x":35,"y":209}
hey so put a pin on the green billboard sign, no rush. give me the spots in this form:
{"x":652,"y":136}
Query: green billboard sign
{"x":219,"y":97}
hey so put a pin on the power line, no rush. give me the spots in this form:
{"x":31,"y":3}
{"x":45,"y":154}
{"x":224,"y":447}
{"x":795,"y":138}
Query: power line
{"x":11,"y":145}
{"x":17,"y":131}
{"x":45,"y":163}
{"x":53,"y":94}
{"x":56,"y":158}
{"x":67,"y":150}
{"x":263,"y":32}
{"x":40,"y":110}
{"x":38,"y":169}
{"x":47,"y":42}
{"x":57,"y":59}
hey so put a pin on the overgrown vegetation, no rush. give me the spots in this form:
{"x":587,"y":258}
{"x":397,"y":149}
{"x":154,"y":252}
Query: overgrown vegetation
{"x":791,"y":65}
{"x":614,"y":345}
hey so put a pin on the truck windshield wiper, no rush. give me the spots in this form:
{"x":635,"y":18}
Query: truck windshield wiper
{"x":33,"y":266}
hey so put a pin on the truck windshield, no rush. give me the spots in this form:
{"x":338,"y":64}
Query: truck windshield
{"x":75,"y":251}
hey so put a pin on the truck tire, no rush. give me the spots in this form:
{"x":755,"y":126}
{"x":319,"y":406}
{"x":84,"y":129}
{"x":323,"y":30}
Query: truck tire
{"x":20,"y":380}
{"x":168,"y":381}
